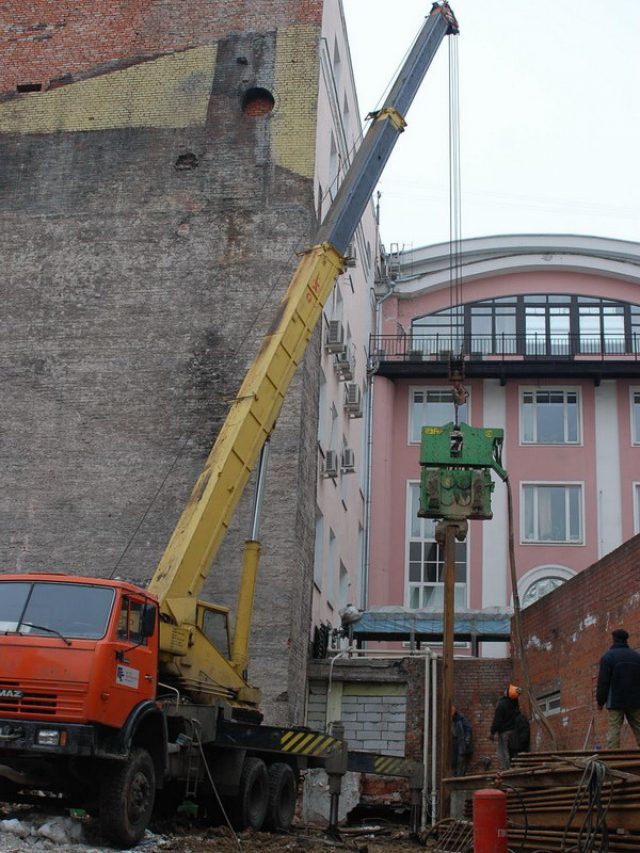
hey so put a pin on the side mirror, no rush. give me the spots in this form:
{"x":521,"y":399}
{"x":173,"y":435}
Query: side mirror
{"x":148,"y":625}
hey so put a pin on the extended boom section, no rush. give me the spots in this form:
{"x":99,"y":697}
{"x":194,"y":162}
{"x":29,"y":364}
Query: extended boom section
{"x":185,"y":564}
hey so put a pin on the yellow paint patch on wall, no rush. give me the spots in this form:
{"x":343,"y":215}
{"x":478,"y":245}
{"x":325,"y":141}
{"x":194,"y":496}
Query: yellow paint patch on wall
{"x":172,"y":91}
{"x":296,"y":90}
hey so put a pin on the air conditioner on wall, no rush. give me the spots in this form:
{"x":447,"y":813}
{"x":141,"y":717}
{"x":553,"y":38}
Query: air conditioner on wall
{"x":330,"y":464}
{"x":350,"y":257}
{"x":353,"y":400}
{"x":344,"y":365}
{"x":348,"y":463}
{"x":334,"y":338}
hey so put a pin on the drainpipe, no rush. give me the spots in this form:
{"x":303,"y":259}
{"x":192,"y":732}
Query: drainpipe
{"x":425,"y":741}
{"x":430,"y":720}
{"x":434,"y":732}
{"x":369,"y":428}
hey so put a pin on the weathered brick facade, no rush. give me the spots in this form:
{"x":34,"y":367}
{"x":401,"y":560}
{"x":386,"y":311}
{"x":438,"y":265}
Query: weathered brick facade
{"x":148,"y":230}
{"x":43,"y":41}
{"x":565,"y":634}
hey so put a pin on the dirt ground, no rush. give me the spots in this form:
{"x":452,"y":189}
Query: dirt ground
{"x":27,"y":831}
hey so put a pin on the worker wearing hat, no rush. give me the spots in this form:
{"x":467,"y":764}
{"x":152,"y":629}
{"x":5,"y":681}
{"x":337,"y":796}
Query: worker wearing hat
{"x":504,"y":723}
{"x":619,"y":687}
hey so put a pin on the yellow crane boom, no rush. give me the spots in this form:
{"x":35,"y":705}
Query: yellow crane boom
{"x":185,"y":563}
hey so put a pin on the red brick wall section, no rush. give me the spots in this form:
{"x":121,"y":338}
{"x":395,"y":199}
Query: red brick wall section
{"x":479,"y":683}
{"x":567,"y":631}
{"x":42,"y":41}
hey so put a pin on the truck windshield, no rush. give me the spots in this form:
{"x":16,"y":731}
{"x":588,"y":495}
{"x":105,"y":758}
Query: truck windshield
{"x":68,"y":609}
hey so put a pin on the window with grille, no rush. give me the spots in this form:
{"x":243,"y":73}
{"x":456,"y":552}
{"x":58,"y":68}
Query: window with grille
{"x":550,"y":703}
{"x":425,"y":588}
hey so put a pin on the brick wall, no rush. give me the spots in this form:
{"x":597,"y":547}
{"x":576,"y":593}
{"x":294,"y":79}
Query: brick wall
{"x":479,"y":683}
{"x":43,"y":41}
{"x":565,"y":634}
{"x":135,"y":291}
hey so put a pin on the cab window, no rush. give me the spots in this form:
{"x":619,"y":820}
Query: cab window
{"x":130,"y":621}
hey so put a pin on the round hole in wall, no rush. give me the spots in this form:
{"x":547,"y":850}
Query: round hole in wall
{"x":186,"y":161}
{"x":257,"y":102}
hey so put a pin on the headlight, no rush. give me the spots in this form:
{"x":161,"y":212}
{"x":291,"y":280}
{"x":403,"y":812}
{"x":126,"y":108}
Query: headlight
{"x":49,"y":737}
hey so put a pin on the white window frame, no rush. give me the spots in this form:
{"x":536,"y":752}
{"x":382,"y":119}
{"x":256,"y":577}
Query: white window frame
{"x":531,"y":389}
{"x":426,"y":389}
{"x":635,"y":439}
{"x":636,"y":506}
{"x":462,"y":590}
{"x":550,"y":703}
{"x":541,"y":484}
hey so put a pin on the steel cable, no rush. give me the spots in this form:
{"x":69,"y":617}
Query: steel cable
{"x":594,"y":828}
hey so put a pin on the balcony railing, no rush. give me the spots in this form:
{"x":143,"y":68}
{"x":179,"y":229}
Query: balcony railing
{"x":570,"y":347}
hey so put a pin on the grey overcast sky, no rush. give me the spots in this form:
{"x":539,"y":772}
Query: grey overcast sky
{"x":549,"y":115}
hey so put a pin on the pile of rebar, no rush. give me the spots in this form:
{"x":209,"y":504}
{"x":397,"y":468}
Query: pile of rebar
{"x":569,"y":801}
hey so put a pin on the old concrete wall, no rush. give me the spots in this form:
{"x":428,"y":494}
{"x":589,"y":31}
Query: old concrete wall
{"x":148,"y":229}
{"x":565,"y":634}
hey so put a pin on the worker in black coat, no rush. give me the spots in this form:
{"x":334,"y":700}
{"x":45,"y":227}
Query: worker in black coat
{"x":619,"y":687}
{"x":504,"y":723}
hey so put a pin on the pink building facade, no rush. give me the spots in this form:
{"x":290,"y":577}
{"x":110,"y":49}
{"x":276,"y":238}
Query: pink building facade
{"x":550,"y":330}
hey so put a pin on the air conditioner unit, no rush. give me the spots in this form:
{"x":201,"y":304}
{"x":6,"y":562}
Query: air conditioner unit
{"x":353,"y":400}
{"x":344,"y":366}
{"x":350,"y":257}
{"x":334,"y":339}
{"x":330,"y":464}
{"x":348,"y":465}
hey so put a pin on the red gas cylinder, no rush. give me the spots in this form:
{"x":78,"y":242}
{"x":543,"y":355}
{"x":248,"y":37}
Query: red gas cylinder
{"x":489,"y":821}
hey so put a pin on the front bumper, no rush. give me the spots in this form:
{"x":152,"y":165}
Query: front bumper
{"x":21,"y":736}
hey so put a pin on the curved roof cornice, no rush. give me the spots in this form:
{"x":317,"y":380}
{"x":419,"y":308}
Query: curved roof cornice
{"x":428,"y":267}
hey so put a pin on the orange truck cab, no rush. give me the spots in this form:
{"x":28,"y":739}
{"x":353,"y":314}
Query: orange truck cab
{"x":78,"y":679}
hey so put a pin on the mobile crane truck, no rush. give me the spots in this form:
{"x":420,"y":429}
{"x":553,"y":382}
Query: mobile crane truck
{"x":114,"y":697}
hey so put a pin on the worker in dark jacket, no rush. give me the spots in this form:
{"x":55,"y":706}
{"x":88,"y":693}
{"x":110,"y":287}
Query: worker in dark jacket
{"x":619,"y":687}
{"x":462,"y":742}
{"x":504,"y":722}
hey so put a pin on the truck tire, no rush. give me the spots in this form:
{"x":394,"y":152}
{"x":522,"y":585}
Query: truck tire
{"x":126,"y":798}
{"x":249,"y":808}
{"x":283,"y":795}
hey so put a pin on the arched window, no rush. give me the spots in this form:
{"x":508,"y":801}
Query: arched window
{"x":541,"y":581}
{"x":532,"y":324}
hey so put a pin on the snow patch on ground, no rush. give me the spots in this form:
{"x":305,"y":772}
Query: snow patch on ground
{"x":44,"y":833}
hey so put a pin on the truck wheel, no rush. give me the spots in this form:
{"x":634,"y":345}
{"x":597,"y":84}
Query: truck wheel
{"x":126,"y":798}
{"x":249,"y":807}
{"x":283,"y":795}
